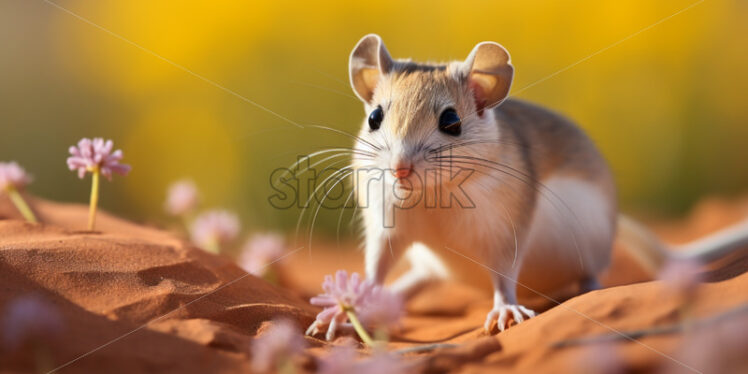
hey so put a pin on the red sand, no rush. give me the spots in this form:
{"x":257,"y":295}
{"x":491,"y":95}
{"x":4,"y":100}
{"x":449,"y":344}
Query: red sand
{"x":118,"y":291}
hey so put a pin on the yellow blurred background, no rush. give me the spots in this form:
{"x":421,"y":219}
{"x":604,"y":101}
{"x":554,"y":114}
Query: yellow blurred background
{"x":666,"y":103}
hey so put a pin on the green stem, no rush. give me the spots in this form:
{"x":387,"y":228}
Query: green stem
{"x":94,"y":198}
{"x":271,"y":275}
{"x":185,"y":220}
{"x":286,"y":366}
{"x":359,"y":327}
{"x":20,"y":203}
{"x":213,"y":246}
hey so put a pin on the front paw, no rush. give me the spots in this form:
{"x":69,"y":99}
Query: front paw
{"x":505,"y":314}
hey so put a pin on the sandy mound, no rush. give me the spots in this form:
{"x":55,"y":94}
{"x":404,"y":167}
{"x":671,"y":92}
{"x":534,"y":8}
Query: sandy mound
{"x":109,"y":283}
{"x":142,"y":300}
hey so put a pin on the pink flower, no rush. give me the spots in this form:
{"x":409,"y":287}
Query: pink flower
{"x":30,"y":318}
{"x":342,"y":360}
{"x":261,"y":250}
{"x":94,"y":154}
{"x":215,"y":228}
{"x":276,"y":346}
{"x":341,"y":293}
{"x":12,"y":176}
{"x":368,"y":300}
{"x":181,"y":198}
{"x":681,"y":276}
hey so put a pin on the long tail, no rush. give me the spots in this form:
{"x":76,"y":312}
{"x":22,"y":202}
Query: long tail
{"x":652,"y":253}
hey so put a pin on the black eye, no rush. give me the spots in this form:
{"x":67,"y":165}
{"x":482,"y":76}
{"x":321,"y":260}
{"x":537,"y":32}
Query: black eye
{"x":375,"y":118}
{"x":449,"y":122}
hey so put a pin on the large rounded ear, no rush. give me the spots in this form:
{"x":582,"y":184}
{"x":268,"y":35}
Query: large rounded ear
{"x":369,"y":60}
{"x":490,"y":73}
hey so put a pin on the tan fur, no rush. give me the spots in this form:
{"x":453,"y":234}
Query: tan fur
{"x":514,"y":149}
{"x":531,"y":143}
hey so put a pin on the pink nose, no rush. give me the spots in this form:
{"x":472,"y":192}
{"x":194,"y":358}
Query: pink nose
{"x":402,"y":170}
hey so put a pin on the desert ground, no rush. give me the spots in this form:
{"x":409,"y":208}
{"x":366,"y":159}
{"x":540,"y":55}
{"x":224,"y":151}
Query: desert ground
{"x":134,"y":298}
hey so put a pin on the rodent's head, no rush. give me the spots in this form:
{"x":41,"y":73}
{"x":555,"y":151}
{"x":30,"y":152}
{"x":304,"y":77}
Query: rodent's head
{"x":415,"y":111}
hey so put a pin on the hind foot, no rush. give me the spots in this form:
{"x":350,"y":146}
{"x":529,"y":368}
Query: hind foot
{"x":503,"y":315}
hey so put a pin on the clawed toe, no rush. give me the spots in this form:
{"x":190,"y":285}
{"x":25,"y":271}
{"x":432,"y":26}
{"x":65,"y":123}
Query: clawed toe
{"x":505,"y":314}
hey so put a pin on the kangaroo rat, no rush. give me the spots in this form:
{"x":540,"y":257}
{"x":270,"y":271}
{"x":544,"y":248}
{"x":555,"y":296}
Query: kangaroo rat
{"x":469,"y":185}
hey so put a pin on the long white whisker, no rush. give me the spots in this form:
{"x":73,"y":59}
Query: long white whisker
{"x":314,"y":219}
{"x":342,"y":151}
{"x":442,"y":168}
{"x":538,"y":186}
{"x":340,"y":218}
{"x":314,"y":193}
{"x":358,"y":138}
